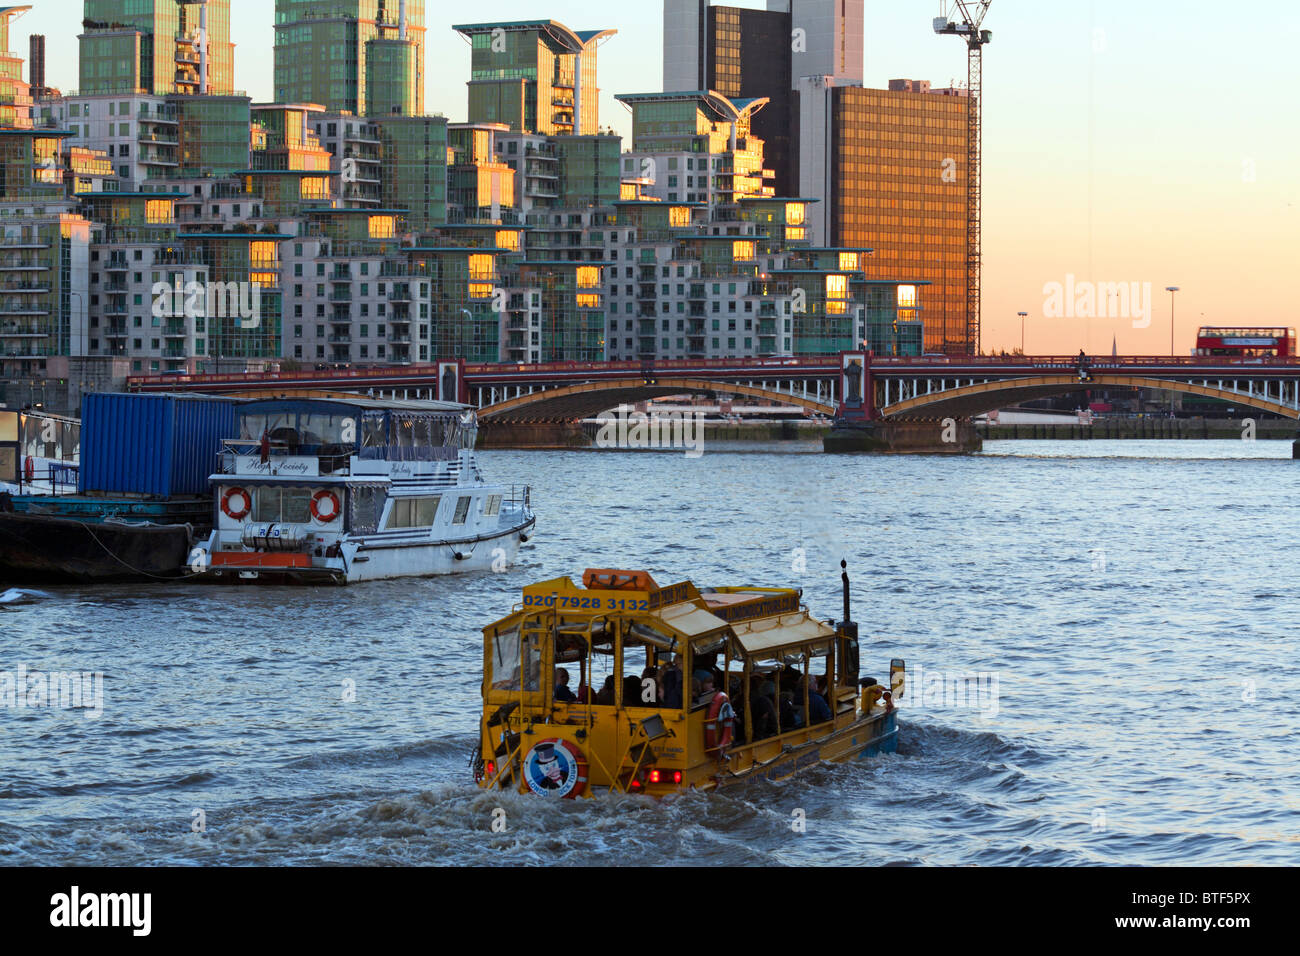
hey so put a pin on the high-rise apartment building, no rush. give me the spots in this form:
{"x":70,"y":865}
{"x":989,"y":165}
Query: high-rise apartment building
{"x":535,"y":76}
{"x":414,"y":170}
{"x":156,"y":46}
{"x":15,"y":95}
{"x":365,"y":57}
{"x":887,"y":166}
{"x":742,"y":54}
{"x":357,"y":165}
{"x":747,"y":54}
{"x":44,"y":244}
{"x":696,"y":147}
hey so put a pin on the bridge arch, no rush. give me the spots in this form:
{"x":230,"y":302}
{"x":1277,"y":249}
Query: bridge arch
{"x":978,"y":398}
{"x":588,"y":399}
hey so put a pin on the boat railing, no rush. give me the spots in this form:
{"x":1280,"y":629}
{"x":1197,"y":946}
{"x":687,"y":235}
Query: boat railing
{"x":57,"y":478}
{"x":520,"y":498}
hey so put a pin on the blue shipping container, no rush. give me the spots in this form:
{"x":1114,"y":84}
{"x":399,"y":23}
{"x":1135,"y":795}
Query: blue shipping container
{"x":152,"y":444}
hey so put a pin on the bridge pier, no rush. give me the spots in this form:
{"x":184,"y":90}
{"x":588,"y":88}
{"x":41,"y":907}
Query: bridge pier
{"x":508,"y":434}
{"x":946,"y":436}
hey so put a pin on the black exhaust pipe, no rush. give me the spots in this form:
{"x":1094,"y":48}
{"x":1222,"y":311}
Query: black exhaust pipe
{"x":848,"y":636}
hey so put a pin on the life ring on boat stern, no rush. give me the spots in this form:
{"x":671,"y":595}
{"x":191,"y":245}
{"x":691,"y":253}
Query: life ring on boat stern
{"x":555,"y":768}
{"x":29,"y":469}
{"x":245,"y":503}
{"x":720,"y":726}
{"x":327,"y":514}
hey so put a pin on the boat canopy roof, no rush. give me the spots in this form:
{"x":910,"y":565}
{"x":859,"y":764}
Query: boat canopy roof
{"x":391,"y":429}
{"x":759,"y":622}
{"x":689,"y":620}
{"x":764,"y":636}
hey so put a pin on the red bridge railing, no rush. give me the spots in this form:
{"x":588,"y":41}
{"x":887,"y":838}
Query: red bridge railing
{"x":355,"y":375}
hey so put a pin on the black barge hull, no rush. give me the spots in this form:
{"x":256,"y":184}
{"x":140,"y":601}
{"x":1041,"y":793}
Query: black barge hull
{"x":41,"y":549}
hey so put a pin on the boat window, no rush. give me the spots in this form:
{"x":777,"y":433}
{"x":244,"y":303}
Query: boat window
{"x":282,"y":504}
{"x":402,"y":446}
{"x":315,"y":429}
{"x":505,"y":660}
{"x":367,"y":504}
{"x":462,"y":509}
{"x":493,"y":506}
{"x":374,"y":435}
{"x":600,"y":676}
{"x":413,"y":512}
{"x":274,"y":425}
{"x":426,"y":510}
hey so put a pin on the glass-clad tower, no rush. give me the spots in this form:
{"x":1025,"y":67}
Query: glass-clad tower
{"x":535,"y":76}
{"x":362,"y":56}
{"x":152,"y":46}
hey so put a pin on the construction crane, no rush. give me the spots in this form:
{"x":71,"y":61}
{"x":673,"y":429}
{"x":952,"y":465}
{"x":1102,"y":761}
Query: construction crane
{"x":968,"y":27}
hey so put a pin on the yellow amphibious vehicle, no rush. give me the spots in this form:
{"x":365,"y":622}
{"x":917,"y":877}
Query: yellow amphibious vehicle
{"x":626,"y":685}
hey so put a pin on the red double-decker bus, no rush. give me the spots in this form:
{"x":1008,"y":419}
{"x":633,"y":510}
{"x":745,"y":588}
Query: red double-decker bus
{"x":1246,"y":342}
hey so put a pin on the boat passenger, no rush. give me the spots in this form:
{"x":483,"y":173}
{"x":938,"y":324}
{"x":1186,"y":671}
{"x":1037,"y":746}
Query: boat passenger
{"x":562,"y":692}
{"x":762,"y":713}
{"x":510,"y":683}
{"x":671,"y":686}
{"x":789,"y":717}
{"x":702,"y":687}
{"x":818,"y":710}
{"x":736,"y":691}
{"x":605,"y":697}
{"x":631,"y":691}
{"x":651,"y":674}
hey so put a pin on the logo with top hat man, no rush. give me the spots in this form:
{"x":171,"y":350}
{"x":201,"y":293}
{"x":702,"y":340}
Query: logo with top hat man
{"x":549,"y":770}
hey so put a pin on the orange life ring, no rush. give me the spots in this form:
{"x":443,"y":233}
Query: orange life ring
{"x":245,"y":503}
{"x":333,"y":499}
{"x":29,"y":468}
{"x":720,"y":726}
{"x":555,"y":768}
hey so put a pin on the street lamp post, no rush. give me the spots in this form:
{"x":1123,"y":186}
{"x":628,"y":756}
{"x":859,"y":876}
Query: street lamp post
{"x":1023,"y":316}
{"x":81,"y":302}
{"x":469,"y":317}
{"x":1171,"y":289}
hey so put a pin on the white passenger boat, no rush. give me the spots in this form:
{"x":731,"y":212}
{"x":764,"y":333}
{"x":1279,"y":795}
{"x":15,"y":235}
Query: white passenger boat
{"x":355,"y":490}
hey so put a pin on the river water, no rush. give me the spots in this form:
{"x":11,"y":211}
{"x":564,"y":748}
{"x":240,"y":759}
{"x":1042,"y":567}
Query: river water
{"x":1130,"y":605}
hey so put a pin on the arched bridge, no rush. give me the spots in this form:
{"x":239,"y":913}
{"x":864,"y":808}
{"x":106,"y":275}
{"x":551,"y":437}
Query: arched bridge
{"x":897,"y":388}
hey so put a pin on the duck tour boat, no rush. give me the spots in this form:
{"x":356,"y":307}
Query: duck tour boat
{"x":353,"y":490}
{"x":630,"y":687}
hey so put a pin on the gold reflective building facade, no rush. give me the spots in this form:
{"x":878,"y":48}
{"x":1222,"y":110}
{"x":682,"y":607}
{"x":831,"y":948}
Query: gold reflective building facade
{"x":898,"y":181}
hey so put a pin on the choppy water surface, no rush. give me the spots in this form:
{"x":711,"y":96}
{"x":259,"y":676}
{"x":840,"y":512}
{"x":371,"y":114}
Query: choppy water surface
{"x":1135,"y":600}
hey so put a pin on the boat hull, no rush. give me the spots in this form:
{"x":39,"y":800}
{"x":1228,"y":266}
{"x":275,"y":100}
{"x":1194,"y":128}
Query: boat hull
{"x":377,"y":561}
{"x":865,"y":738}
{"x":45,"y":549}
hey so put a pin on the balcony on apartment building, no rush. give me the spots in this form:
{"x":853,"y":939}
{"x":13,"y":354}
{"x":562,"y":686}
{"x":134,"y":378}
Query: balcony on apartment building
{"x":20,"y":331}
{"x":21,"y":306}
{"x":24,"y":288}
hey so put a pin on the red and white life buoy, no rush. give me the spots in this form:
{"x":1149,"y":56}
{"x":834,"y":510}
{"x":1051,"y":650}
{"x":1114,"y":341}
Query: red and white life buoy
{"x":327,"y":513}
{"x":555,"y":768}
{"x":29,"y":469}
{"x":236,"y":503}
{"x":720,"y":726}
